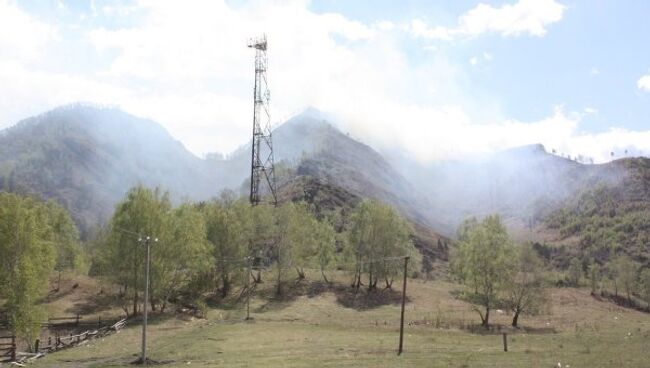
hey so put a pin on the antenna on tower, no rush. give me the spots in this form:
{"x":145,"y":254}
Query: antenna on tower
{"x":262,"y":166}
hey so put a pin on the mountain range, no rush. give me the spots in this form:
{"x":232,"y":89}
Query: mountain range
{"x":87,"y":157}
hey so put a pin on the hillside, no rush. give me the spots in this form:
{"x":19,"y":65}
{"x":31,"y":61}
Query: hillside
{"x":87,"y":158}
{"x":313,"y":147}
{"x":606,"y":220}
{"x":337,"y":203}
{"x":318,"y":327}
{"x":521,"y":184}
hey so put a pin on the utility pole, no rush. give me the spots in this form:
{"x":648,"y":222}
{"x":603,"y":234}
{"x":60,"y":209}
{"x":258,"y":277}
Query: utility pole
{"x":401,"y":324}
{"x":143,"y":357}
{"x":248,"y":288}
{"x":262,"y":166}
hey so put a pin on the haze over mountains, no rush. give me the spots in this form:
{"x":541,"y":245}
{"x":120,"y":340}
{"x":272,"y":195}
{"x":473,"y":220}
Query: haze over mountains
{"x":87,"y":157}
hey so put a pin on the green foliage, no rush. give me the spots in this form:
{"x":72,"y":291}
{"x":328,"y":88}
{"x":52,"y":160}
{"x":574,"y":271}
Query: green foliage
{"x":178,"y":246}
{"x":229,"y":230}
{"x":594,"y":274}
{"x":69,"y":254}
{"x":575,"y":271}
{"x":484,"y":262}
{"x":526,"y":293}
{"x":179,"y":255}
{"x":625,"y":274}
{"x":610,"y":219}
{"x":644,"y":285}
{"x":378,"y":237}
{"x":34,"y":238}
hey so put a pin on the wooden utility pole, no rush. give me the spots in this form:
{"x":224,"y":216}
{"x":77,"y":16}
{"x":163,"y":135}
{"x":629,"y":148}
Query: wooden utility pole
{"x":146,"y":240}
{"x":248,"y":288}
{"x":401,"y":324}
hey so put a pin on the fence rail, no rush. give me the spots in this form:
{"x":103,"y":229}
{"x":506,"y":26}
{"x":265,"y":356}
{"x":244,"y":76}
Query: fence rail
{"x":70,"y":321}
{"x":7,"y":349}
{"x":9,"y":353}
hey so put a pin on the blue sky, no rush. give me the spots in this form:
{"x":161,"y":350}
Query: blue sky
{"x":430,"y":79}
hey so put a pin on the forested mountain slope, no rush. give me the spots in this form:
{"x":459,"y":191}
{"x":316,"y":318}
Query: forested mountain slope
{"x":87,"y":158}
{"x":606,"y":220}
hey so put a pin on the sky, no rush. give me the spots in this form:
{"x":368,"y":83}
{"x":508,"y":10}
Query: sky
{"x":434,"y":80}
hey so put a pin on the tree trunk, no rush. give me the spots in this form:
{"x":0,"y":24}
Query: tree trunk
{"x":301,"y":273}
{"x":389,"y":284}
{"x":278,"y":291}
{"x":135,"y":301}
{"x":486,"y":320}
{"x":324,"y":277}
{"x":515,"y":318}
{"x":226,"y":285}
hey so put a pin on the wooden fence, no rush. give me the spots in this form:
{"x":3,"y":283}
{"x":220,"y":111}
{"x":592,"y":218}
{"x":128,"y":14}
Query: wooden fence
{"x":8,"y":351}
{"x":7,"y":348}
{"x":69,"y":321}
{"x":58,"y":342}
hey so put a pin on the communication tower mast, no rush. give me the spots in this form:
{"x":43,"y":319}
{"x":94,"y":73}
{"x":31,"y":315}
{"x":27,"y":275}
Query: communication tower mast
{"x":262,"y":167}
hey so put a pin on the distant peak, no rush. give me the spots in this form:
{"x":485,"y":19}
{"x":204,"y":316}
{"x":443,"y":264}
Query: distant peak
{"x":312,"y":112}
{"x":310,"y":117}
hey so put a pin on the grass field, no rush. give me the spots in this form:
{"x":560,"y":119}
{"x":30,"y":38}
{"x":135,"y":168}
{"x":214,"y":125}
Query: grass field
{"x":318,"y":327}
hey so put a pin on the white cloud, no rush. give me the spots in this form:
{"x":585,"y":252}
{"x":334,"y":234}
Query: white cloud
{"x":189,"y":68}
{"x":485,"y":57}
{"x":523,"y":17}
{"x":594,"y":70}
{"x":644,"y":83}
{"x":23,"y":36}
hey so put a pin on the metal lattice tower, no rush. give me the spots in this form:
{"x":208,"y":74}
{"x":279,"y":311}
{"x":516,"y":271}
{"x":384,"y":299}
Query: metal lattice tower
{"x":262,"y":167}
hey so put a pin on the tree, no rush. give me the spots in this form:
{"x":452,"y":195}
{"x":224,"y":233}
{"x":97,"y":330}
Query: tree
{"x":183,"y":253}
{"x":484,"y":262}
{"x":181,"y":248}
{"x":326,"y":246}
{"x":142,"y":213}
{"x":594,"y":275}
{"x":27,"y":257}
{"x":526,"y":293}
{"x":644,"y":286}
{"x":377,"y":233}
{"x":626,"y":273}
{"x":575,"y":271}
{"x":285,"y":236}
{"x":228,"y":229}
{"x":69,"y":255}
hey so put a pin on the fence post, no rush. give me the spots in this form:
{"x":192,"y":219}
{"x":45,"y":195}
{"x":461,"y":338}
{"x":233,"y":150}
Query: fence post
{"x":77,"y":319}
{"x":505,"y":341}
{"x":36,"y":345}
{"x":99,"y":322}
{"x":13,"y":348}
{"x":401,"y":324}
